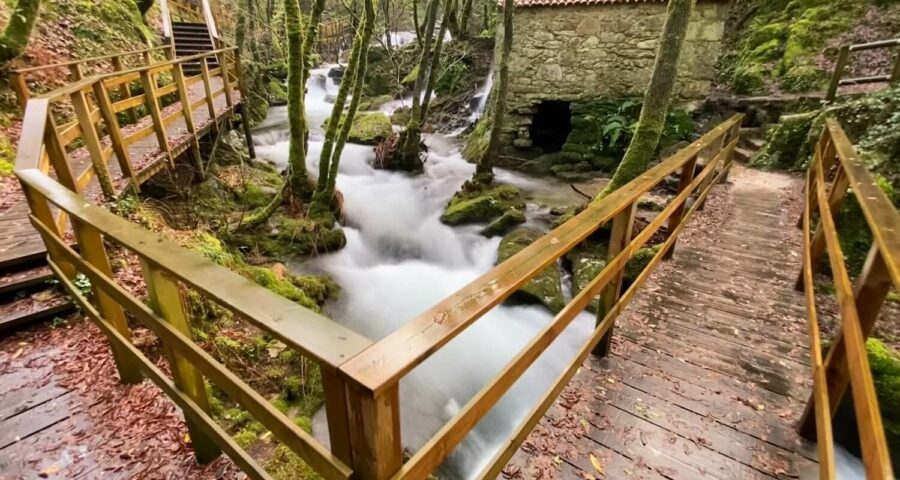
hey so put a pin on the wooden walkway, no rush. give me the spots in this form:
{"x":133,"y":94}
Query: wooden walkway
{"x":20,"y":243}
{"x":709,"y":371}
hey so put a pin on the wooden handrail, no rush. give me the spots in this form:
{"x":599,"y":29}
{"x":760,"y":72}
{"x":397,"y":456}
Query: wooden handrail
{"x":846,"y":361}
{"x":843,"y":60}
{"x":373,"y":376}
{"x":90,"y":60}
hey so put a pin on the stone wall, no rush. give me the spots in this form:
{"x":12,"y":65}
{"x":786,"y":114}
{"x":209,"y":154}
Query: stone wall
{"x":576,"y":53}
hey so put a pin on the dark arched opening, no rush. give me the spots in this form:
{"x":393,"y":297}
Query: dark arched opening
{"x":551,"y":125}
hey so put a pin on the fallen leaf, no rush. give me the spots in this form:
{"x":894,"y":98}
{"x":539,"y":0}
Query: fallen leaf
{"x":18,"y":353}
{"x":597,"y":465}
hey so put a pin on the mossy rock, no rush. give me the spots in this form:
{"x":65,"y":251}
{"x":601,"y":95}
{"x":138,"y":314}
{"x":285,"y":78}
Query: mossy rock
{"x":545,"y":287}
{"x":482,"y":205}
{"x":502,"y":224}
{"x":368,"y":128}
{"x":885,"y":365}
{"x":477,"y":141}
{"x":284,"y":237}
{"x":373,"y":103}
{"x":587,"y":261}
{"x":748,"y":79}
{"x":277,"y":93}
{"x":638,"y":262}
{"x":784,"y":141}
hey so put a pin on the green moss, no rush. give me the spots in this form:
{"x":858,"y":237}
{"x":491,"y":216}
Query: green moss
{"x":639,"y":262}
{"x":545,"y":287}
{"x":285,"y":465}
{"x":784,"y":142}
{"x":477,"y":140}
{"x":277,"y":92}
{"x":885,"y":366}
{"x":372,"y":103}
{"x":502,"y":224}
{"x":370,"y":128}
{"x":748,"y":79}
{"x":479,"y":205}
{"x":587,"y":261}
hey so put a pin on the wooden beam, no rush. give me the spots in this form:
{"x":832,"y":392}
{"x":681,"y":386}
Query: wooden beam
{"x":622,"y":228}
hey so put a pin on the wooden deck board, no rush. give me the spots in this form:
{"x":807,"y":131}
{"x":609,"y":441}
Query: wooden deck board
{"x":19,"y":243}
{"x":697,"y":385}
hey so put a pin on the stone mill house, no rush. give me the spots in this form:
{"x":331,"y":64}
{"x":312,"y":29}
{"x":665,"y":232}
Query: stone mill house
{"x":568,"y":54}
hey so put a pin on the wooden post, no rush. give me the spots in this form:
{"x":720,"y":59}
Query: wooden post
{"x":823,"y":157}
{"x":687,"y":176}
{"x":207,"y":87}
{"x":223,"y":64}
{"x":709,"y":154}
{"x":843,"y":59}
{"x":336,"y":413}
{"x":245,"y":117}
{"x":77,"y":72}
{"x":17,"y":80}
{"x":166,"y":300}
{"x":185,"y":99}
{"x":870,"y":292}
{"x":115,"y":133}
{"x":90,"y":244}
{"x":836,"y":196}
{"x":374,"y":431}
{"x":40,"y":208}
{"x":58,"y":157}
{"x":92,"y":142}
{"x":153,"y":104}
{"x":622,"y":226}
{"x":124,"y":89}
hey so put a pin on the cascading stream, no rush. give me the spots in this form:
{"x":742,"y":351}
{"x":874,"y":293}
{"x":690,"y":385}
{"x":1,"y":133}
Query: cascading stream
{"x":400,"y":260}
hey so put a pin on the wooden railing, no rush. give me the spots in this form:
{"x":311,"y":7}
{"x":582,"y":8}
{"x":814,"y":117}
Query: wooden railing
{"x":846,"y":361}
{"x":373,"y":376}
{"x":80,"y":150}
{"x":334,"y":35}
{"x":837,"y":78}
{"x":186,"y":11}
{"x":169,"y":272}
{"x":78,"y":69}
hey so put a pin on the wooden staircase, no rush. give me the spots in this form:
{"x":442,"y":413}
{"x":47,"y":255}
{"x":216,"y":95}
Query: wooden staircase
{"x":27,"y":293}
{"x":191,"y":39}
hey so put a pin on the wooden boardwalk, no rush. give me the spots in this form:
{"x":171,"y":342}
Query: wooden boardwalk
{"x":20,"y":243}
{"x":709,"y":371}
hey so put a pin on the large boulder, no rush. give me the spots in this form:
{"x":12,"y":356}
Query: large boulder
{"x":503,"y":223}
{"x":368,"y":128}
{"x":482,"y":205}
{"x":587,"y":261}
{"x":545,"y":287}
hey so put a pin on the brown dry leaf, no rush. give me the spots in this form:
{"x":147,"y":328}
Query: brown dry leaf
{"x":18,"y":353}
{"x":50,"y":470}
{"x":597,"y":465}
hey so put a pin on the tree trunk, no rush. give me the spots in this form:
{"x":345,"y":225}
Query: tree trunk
{"x":18,"y":30}
{"x":435,"y":61}
{"x":416,"y":26}
{"x":336,"y":137}
{"x":386,"y":9}
{"x":464,"y":19}
{"x":410,"y":145}
{"x":656,"y":99}
{"x":297,"y":175}
{"x":485,"y":168}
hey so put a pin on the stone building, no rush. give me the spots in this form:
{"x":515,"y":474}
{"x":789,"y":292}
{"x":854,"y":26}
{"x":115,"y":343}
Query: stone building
{"x":567,"y":54}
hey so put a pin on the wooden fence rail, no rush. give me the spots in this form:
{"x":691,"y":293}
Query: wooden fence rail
{"x":52,"y":182}
{"x":846,"y":361}
{"x":837,"y":78}
{"x":373,"y":376}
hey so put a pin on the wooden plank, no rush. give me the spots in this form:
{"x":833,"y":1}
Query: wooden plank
{"x":18,"y":401}
{"x":30,"y":422}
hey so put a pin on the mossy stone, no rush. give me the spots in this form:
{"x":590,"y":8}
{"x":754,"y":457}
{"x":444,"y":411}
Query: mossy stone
{"x":784,"y":141}
{"x":638,"y":262}
{"x":587,"y":261}
{"x":481,"y":205}
{"x":502,"y":224}
{"x":368,"y":128}
{"x":885,"y":365}
{"x":545,"y":287}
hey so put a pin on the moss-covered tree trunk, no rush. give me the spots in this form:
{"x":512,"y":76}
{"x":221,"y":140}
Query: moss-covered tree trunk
{"x":464,"y":17}
{"x":339,"y":123}
{"x":416,"y":25}
{"x":411,"y":138}
{"x":18,"y":30}
{"x":436,"y":60}
{"x":656,"y":99}
{"x":484,"y":171}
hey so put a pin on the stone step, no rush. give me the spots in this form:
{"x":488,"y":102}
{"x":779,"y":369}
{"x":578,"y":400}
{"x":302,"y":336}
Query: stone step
{"x":742,"y":154}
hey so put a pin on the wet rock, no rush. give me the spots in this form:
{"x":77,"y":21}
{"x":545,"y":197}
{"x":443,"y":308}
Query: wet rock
{"x":476,"y":204}
{"x":501,"y":225}
{"x":587,"y":261}
{"x":368,"y":128}
{"x":545,"y":287}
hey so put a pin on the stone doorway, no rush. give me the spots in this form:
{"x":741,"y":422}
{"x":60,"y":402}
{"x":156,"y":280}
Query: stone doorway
{"x":551,"y":125}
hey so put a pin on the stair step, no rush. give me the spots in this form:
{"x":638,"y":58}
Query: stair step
{"x":25,"y":278}
{"x":742,"y":154}
{"x":38,"y":306}
{"x":756,"y":143}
